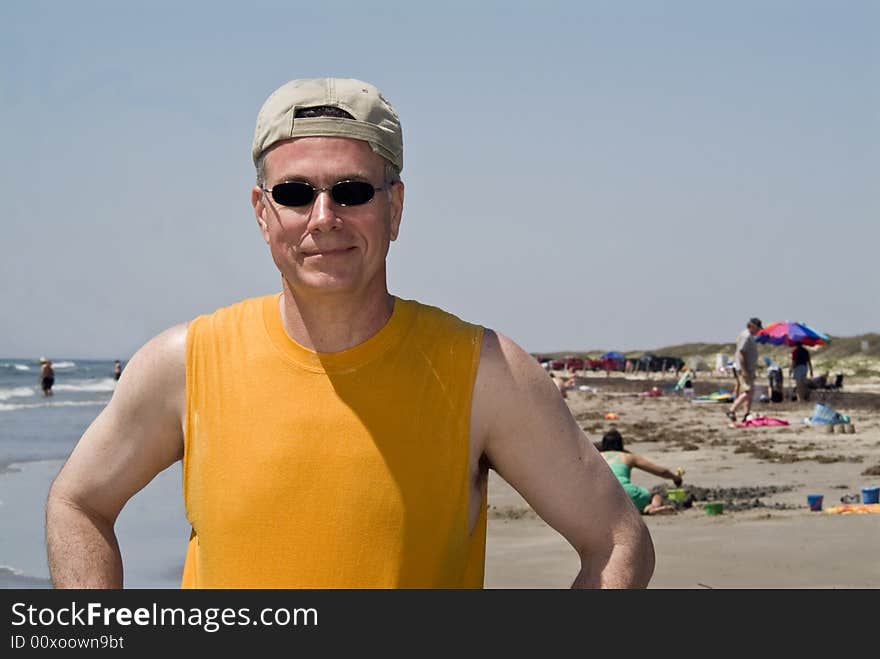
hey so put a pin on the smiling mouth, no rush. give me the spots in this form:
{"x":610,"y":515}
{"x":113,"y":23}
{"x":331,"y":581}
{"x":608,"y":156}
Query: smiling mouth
{"x":329,"y":252}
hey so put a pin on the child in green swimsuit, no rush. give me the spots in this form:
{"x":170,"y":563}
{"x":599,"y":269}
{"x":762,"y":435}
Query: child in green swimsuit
{"x":622,"y":461}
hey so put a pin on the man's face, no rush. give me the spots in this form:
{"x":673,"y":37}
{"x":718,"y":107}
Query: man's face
{"x":325,"y":247}
{"x":753,"y":329}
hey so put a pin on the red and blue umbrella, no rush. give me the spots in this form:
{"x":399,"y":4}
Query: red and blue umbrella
{"x":789,"y":333}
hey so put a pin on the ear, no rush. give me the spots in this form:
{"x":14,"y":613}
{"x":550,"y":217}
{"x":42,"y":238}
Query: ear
{"x":396,"y":208}
{"x":258,"y":201}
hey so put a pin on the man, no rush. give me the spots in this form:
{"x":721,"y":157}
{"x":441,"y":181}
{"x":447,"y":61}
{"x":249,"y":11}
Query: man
{"x":746,"y":359}
{"x":334,"y":435}
{"x":47,"y":376}
{"x":801,"y":363}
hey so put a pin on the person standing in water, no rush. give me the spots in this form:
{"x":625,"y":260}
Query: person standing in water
{"x":47,"y":376}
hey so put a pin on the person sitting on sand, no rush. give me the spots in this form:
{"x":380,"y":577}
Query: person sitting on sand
{"x":622,"y":461}
{"x":775,"y":389}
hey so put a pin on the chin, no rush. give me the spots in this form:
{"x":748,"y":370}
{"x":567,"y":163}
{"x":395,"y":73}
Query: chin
{"x":325,"y":283}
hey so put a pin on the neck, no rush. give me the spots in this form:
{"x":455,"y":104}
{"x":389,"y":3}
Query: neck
{"x":332,"y":323}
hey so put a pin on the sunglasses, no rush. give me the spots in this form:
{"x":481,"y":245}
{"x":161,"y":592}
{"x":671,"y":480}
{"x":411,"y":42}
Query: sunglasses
{"x":344,"y":193}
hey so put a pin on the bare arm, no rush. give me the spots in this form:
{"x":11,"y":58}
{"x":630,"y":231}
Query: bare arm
{"x":136,"y":436}
{"x":646,"y":465}
{"x":530,"y":438}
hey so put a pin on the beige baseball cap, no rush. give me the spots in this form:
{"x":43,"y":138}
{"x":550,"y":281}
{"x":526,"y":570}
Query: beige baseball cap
{"x":375,"y":121}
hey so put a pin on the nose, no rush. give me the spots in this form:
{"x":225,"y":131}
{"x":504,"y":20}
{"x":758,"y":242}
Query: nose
{"x":323,"y":216}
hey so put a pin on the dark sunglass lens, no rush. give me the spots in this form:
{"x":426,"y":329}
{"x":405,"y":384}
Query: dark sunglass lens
{"x":352,"y":193}
{"x":293,"y":193}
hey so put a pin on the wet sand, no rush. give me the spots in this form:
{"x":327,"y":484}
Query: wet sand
{"x":152,"y":529}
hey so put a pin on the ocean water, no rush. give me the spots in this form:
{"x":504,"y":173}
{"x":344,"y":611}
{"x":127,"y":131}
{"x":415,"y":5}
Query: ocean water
{"x":34,"y":427}
{"x":37,"y":434}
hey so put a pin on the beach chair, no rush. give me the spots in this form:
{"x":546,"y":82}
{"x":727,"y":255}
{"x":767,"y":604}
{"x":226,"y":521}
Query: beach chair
{"x":830,"y":388}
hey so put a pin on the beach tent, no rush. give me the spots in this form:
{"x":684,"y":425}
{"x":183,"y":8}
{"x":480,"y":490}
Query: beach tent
{"x":617,"y":356}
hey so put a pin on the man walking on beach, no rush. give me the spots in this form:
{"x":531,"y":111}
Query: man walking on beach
{"x":746,"y":359}
{"x":335,"y":435}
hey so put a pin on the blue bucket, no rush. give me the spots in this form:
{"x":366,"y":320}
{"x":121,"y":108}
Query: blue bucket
{"x":871,"y":494}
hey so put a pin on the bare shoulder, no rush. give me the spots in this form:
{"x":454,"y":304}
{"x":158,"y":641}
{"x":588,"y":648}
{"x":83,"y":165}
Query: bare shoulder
{"x":503,"y":361}
{"x":514,"y":398}
{"x":157,"y":372}
{"x":166,"y":350}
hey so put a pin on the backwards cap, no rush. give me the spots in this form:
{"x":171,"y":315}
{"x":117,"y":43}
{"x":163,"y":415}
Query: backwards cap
{"x":375,"y":121}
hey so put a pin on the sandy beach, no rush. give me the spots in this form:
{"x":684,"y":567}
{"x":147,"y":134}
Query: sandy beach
{"x":764,"y":538}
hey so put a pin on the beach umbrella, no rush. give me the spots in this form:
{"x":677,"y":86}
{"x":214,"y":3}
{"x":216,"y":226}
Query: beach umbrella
{"x":789,"y":333}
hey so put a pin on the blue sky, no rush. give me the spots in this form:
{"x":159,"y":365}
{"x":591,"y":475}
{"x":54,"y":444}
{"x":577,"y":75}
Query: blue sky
{"x":579,"y":175}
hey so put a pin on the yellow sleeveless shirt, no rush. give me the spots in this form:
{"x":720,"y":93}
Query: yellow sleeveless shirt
{"x":330,"y":470}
